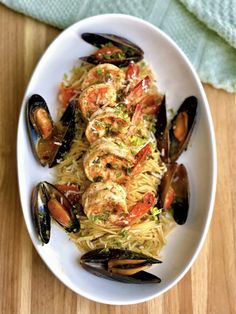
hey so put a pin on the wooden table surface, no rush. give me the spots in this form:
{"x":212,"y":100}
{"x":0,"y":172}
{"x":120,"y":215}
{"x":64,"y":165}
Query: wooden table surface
{"x":26,"y":285}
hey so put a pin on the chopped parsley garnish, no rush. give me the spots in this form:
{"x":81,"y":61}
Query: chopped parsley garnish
{"x":65,"y":76}
{"x":119,"y":174}
{"x":105,"y":250}
{"x":137,"y":140}
{"x":123,"y":233}
{"x":107,"y":76}
{"x":121,"y":111}
{"x":99,"y":71}
{"x":118,"y":55}
{"x":114,"y":166}
{"x":128,"y":171}
{"x":101,"y":217}
{"x":100,"y":123}
{"x":109,"y":44}
{"x":107,"y":56}
{"x":155,"y":211}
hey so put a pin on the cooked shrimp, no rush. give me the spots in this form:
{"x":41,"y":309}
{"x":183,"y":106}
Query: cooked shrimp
{"x":132,"y":71}
{"x":107,"y":160}
{"x":105,"y":73}
{"x":106,"y":122}
{"x":150,"y":104}
{"x":138,"y":92}
{"x":139,"y":210}
{"x":105,"y":203}
{"x":66,"y":94}
{"x":96,"y":96}
{"x":132,"y":75}
{"x":136,"y":118}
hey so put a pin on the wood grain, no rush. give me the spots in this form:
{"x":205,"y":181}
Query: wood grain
{"x":26,"y":285}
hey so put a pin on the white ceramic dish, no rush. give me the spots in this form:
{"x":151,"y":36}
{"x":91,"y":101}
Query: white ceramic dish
{"x":177,"y":79}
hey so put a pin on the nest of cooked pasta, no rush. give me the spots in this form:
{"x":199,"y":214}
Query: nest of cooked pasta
{"x":148,"y":235}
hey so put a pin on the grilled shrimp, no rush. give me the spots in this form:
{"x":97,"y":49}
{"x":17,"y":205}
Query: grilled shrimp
{"x":105,"y":73}
{"x":96,"y":96}
{"x":106,"y":122}
{"x":107,"y":160}
{"x":138,"y":92}
{"x":105,"y":203}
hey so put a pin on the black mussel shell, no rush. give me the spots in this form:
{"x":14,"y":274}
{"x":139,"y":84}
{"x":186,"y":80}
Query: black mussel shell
{"x":118,"y":62}
{"x":35,"y":102}
{"x":50,"y":151}
{"x":169,"y":147}
{"x":131,"y":51}
{"x":105,"y":263}
{"x":41,"y":194}
{"x":41,"y":217}
{"x":69,"y":113}
{"x":189,"y":106}
{"x":99,"y":40}
{"x":104,"y":255}
{"x":162,"y":132}
{"x":52,"y":191}
{"x":141,"y":277}
{"x":180,"y":185}
{"x":67,"y":123}
{"x":176,"y":178}
{"x":166,"y":183}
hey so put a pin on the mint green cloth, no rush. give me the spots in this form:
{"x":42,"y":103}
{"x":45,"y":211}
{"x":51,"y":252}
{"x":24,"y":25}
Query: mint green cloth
{"x":204,"y":29}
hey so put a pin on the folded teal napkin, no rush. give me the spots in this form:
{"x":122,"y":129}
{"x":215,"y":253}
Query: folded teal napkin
{"x":204,"y":29}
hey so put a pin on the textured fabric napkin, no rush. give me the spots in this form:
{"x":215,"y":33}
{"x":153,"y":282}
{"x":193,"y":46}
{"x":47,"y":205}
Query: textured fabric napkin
{"x":204,"y":29}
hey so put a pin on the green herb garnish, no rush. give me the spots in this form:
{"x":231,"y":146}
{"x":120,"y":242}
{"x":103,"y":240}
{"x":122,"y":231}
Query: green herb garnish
{"x":99,"y":71}
{"x":123,"y":233}
{"x":155,"y":211}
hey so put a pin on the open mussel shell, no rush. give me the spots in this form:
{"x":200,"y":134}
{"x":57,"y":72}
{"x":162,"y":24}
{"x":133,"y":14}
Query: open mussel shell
{"x":65,"y":214}
{"x":40,"y":125}
{"x":131,"y":51}
{"x":120,"y":265}
{"x":185,"y":118}
{"x":41,"y":217}
{"x":162,"y":132}
{"x":118,"y":62}
{"x":180,"y":186}
{"x":99,"y":40}
{"x":174,"y":192}
{"x":50,"y":142}
{"x":104,"y":255}
{"x":66,"y":126}
{"x":138,"y":278}
{"x":173,"y":139}
{"x":46,"y":202}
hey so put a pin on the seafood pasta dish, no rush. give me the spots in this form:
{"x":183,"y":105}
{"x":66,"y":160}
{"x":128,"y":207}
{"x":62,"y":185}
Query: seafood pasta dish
{"x":117,"y":189}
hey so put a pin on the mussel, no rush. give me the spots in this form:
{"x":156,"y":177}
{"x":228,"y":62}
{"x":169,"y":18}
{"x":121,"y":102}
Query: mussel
{"x":172,"y":140}
{"x":121,"y":265}
{"x":162,"y":132}
{"x":49,"y":141}
{"x":41,"y":217}
{"x":66,"y":127}
{"x":47,"y":201}
{"x":174,"y":192}
{"x":112,"y":49}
